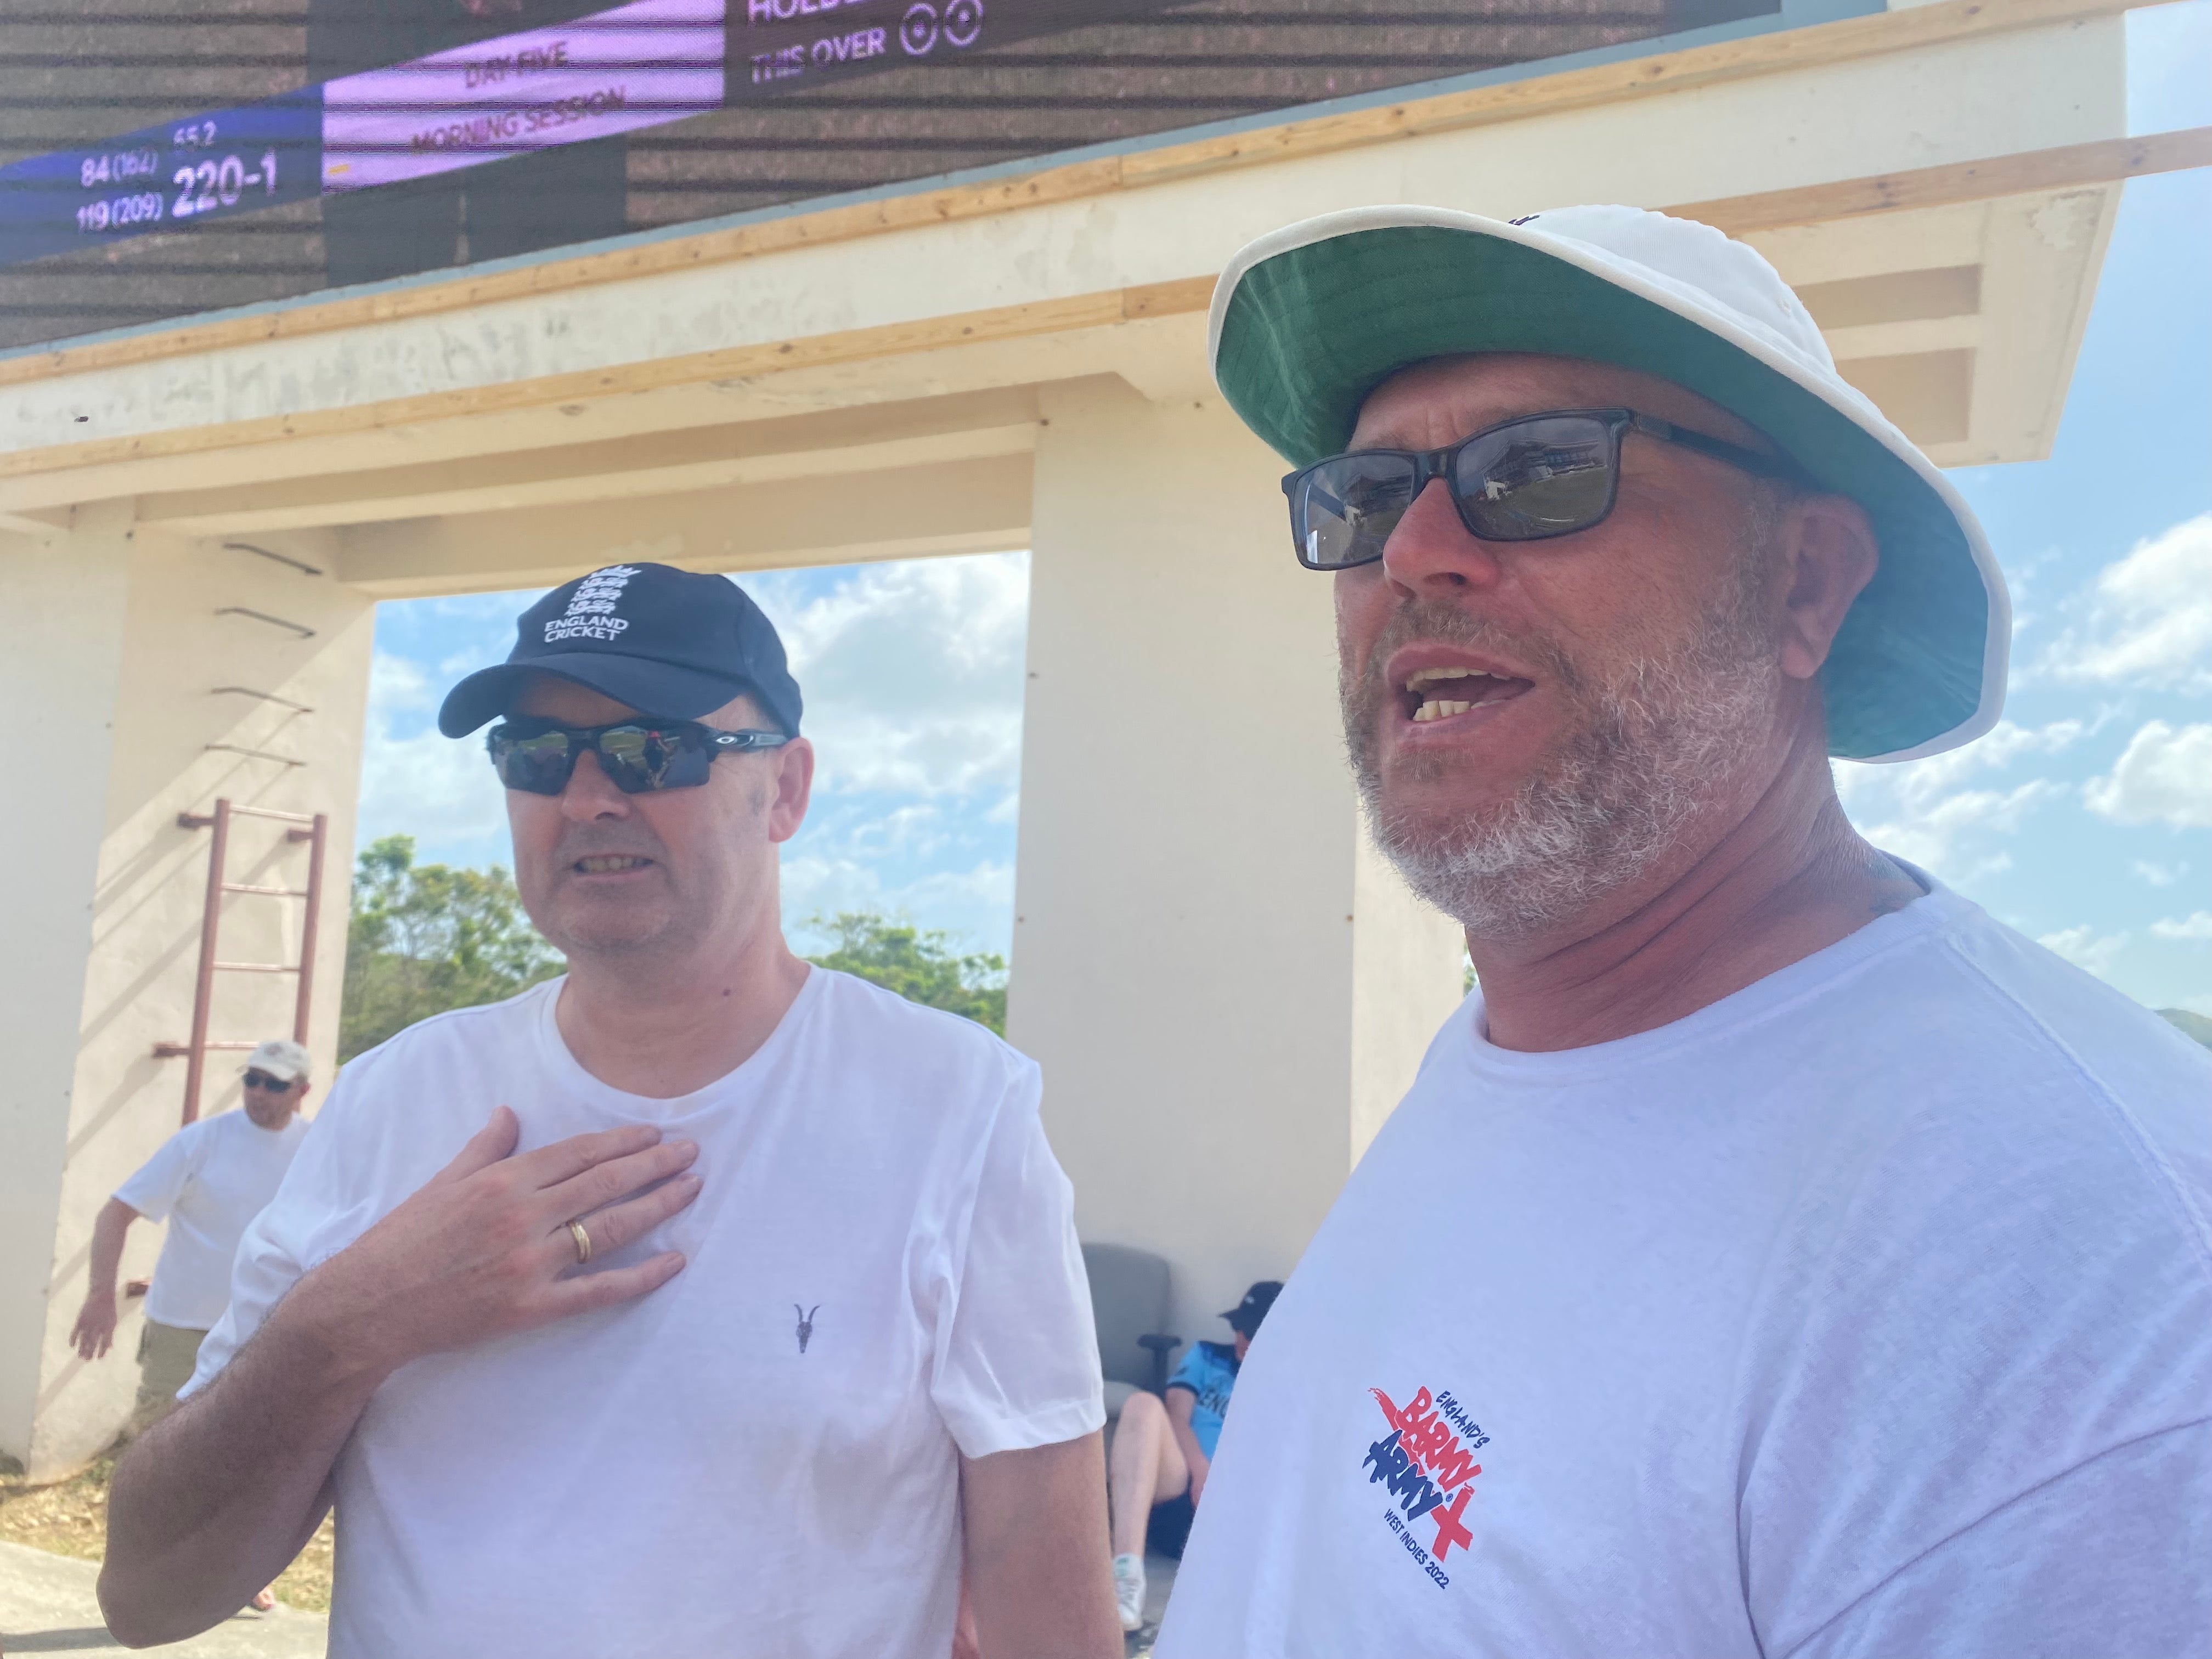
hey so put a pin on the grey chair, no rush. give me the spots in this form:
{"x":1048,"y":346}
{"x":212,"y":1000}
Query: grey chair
{"x":1129,"y":1303}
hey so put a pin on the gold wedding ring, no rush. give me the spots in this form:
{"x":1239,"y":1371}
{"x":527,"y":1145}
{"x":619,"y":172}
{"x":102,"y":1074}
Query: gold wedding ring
{"x":578,"y":1231}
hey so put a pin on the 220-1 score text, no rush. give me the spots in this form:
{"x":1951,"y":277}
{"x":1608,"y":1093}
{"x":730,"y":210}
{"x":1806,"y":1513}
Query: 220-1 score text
{"x":201,"y":187}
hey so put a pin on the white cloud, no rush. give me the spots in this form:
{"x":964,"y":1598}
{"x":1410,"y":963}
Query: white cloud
{"x":397,"y":685}
{"x":1920,"y":783}
{"x":2198,"y":925}
{"x":974,"y":905}
{"x":2149,"y":617}
{"x":912,"y":672}
{"x":2160,"y":875}
{"x":1918,"y":811}
{"x":2084,"y":947}
{"x":2164,"y":777}
{"x":425,"y":786}
{"x":1937,"y":835}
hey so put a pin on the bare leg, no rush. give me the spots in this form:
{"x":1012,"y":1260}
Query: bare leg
{"x":1147,"y":1469}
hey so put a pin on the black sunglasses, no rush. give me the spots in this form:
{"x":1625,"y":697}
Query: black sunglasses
{"x":640,"y":755}
{"x":262,"y":1080}
{"x":1524,"y":480}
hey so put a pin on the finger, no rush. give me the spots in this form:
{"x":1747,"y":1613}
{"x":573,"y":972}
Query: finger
{"x":494,"y":1141}
{"x":611,"y":1229}
{"x":604,"y":1289}
{"x":603,"y":1184}
{"x":549,"y":1166}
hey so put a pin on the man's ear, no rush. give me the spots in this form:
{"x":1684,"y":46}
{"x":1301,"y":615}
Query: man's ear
{"x":794,"y":787}
{"x":1828,"y":554}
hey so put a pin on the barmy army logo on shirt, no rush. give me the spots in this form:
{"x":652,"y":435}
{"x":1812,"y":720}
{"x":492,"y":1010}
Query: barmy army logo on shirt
{"x":1427,"y":1460}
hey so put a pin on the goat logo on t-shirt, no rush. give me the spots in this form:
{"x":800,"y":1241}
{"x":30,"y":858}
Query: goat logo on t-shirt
{"x":805,"y":1323}
{"x":1427,"y":1460}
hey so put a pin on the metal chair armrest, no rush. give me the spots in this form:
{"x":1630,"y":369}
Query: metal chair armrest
{"x":1161,"y":1345}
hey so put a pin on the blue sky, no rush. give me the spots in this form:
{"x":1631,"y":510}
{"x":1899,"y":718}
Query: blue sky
{"x":2085,"y":819}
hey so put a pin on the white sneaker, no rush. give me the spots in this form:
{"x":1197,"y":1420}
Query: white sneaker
{"x":1129,"y":1590}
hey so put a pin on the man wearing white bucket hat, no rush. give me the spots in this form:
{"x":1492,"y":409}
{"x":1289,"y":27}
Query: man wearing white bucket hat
{"x":1777,"y":1255}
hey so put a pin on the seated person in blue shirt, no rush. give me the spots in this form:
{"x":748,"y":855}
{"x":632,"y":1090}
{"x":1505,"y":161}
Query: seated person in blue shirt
{"x":1162,"y":1452}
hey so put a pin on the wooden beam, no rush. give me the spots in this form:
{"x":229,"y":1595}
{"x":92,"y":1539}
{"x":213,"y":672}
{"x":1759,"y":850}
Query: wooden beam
{"x":2069,"y":166}
{"x":956,"y":506}
{"x":1080,"y":311}
{"x":1822,"y":45}
{"x":957,"y":426}
{"x":2104,"y":163}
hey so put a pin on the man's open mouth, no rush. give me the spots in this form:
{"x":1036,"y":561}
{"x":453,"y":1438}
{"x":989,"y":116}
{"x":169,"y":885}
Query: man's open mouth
{"x":609,"y":864}
{"x":1436,"y":694}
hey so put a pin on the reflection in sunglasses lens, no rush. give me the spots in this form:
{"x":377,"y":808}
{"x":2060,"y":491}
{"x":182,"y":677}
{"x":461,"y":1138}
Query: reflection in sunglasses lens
{"x":539,"y":765}
{"x":1350,"y":505}
{"x":1538,"y":478}
{"x":636,"y":759}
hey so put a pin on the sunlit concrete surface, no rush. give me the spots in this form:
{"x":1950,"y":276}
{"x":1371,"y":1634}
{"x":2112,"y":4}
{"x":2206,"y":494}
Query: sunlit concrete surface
{"x":47,"y":1605}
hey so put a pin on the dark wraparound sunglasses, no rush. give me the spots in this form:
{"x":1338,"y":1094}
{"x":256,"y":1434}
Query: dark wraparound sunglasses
{"x":640,"y":755}
{"x":1524,"y":480}
{"x":262,"y":1080}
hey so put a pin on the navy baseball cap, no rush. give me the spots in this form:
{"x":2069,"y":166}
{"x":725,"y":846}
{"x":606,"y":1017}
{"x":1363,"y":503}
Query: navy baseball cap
{"x":675,"y":643}
{"x":1246,"y":1315}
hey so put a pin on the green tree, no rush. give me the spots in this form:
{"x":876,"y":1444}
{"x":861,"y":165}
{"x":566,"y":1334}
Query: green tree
{"x":919,"y":966}
{"x":427,"y":938}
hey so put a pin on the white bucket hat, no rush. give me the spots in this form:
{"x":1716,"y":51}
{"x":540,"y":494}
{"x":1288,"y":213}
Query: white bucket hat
{"x":1308,"y":321}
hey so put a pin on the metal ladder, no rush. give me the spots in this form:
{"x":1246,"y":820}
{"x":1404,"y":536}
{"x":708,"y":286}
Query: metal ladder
{"x":313,"y":829}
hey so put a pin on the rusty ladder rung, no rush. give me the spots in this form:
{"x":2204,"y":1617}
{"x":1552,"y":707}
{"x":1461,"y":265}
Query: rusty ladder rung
{"x":204,"y":820}
{"x":311,"y":827}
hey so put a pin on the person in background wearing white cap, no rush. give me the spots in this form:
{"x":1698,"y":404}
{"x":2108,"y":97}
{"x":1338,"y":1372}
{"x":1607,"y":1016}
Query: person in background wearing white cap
{"x":698,"y":1303}
{"x":1776,"y":1256}
{"x":208,"y":1180}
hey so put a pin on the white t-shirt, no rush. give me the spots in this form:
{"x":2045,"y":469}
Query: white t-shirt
{"x":207,"y":1181}
{"x":761,"y":1457}
{"x":1865,"y":1313}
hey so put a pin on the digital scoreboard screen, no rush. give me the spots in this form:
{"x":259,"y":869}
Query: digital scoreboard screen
{"x":165,"y":159}
{"x":639,"y":65}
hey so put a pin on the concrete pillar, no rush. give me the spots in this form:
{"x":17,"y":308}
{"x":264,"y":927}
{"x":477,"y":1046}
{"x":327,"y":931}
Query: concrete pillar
{"x":122,"y":636}
{"x":1226,"y":988}
{"x":67,"y":596}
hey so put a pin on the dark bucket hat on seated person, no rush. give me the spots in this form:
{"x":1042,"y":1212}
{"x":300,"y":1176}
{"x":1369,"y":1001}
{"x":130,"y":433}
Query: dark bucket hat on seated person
{"x":675,"y":643}
{"x":1310,"y":319}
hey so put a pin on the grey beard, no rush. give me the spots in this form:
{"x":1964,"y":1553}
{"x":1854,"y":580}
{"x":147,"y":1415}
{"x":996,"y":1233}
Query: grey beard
{"x":1608,"y":806}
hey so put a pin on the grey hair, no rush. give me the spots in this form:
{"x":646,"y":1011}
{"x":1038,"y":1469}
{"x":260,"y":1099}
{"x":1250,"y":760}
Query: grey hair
{"x":1616,"y":796}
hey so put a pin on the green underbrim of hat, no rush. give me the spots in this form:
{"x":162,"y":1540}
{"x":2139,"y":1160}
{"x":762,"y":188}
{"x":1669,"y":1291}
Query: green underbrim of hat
{"x":1310,"y":331}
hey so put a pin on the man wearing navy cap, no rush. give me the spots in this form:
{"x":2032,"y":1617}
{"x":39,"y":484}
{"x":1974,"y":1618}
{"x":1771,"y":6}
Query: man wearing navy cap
{"x":1164,"y":1448}
{"x":1777,"y":1256}
{"x":700,"y":1301}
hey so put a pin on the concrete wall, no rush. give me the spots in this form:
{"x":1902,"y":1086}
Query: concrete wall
{"x":119,"y":649}
{"x":67,"y":598}
{"x":1226,"y":997}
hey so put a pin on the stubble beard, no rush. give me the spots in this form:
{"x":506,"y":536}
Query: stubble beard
{"x":1655,"y":740}
{"x":671,"y":928}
